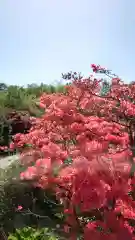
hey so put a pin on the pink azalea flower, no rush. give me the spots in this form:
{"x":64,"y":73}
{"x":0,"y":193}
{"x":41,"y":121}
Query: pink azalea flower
{"x":19,"y":208}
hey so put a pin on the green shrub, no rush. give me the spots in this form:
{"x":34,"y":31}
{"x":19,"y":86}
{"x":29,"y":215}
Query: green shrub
{"x":14,"y":192}
{"x":32,"y":234}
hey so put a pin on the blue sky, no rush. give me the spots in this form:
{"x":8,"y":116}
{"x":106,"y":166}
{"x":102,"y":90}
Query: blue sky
{"x":40,"y":39}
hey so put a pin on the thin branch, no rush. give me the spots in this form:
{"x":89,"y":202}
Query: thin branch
{"x":33,"y":214}
{"x":50,"y":201}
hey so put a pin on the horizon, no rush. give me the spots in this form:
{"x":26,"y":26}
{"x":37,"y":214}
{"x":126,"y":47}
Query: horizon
{"x":41,"y":39}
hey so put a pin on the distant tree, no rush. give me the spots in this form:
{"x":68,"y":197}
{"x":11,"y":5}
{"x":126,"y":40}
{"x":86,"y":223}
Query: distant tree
{"x":72,"y":76}
{"x":3,"y":87}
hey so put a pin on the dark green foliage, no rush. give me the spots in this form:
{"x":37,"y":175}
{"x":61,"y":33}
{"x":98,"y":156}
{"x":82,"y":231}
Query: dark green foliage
{"x":40,"y":207}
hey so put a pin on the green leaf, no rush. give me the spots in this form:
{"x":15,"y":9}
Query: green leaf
{"x":68,"y":161}
{"x":56,"y":171}
{"x":118,"y":104}
{"x":28,"y":145}
{"x":11,"y":237}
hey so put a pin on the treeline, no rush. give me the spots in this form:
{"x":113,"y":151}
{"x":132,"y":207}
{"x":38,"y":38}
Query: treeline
{"x":24,"y":98}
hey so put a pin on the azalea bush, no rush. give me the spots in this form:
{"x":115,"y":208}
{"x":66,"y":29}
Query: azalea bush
{"x":82,"y":148}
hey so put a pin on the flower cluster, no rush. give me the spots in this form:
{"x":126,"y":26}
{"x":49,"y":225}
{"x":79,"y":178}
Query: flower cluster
{"x":83,"y":149}
{"x":3,"y":148}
